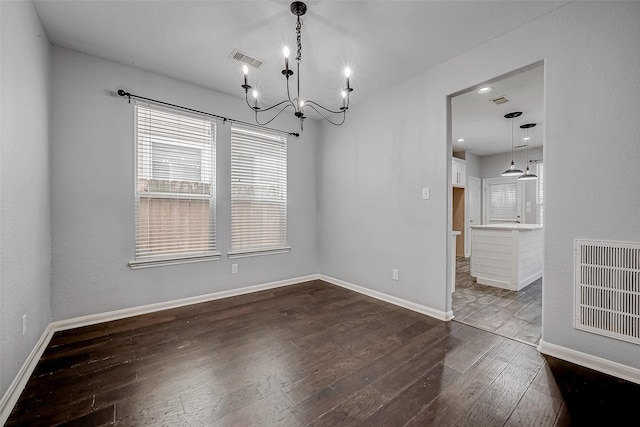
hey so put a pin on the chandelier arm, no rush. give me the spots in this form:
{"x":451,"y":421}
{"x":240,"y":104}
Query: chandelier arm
{"x":289,"y":93}
{"x":246,"y":98}
{"x":272,"y":118}
{"x":286,"y":101}
{"x":324,"y":108}
{"x":344,"y":115}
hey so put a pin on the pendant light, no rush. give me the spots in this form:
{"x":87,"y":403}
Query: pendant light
{"x":527,"y":175}
{"x":512,"y":171}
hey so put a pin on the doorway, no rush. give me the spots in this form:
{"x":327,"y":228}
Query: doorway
{"x":488,"y":142}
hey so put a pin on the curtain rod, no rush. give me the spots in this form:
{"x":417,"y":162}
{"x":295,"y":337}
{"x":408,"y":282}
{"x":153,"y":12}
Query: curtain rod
{"x":224,"y":119}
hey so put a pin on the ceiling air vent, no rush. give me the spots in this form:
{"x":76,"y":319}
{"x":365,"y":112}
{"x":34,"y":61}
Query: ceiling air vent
{"x":500,"y":100}
{"x":246,"y":59}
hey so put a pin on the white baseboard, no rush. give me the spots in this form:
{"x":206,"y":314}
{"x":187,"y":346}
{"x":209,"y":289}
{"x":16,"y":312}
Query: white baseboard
{"x":150,"y":308}
{"x":603,"y":365}
{"x":12,"y":394}
{"x":423,"y":309}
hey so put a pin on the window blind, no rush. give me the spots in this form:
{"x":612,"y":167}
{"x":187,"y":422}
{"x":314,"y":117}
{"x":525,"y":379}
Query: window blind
{"x":258,"y":191}
{"x":503,"y":202}
{"x":175,"y":184}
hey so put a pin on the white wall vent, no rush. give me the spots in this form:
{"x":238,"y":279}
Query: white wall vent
{"x":500,"y":100}
{"x":607,"y":289}
{"x":244,"y":58}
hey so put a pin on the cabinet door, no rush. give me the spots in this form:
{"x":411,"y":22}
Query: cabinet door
{"x":457,"y":173}
{"x":454,"y":173}
{"x":461,"y":174}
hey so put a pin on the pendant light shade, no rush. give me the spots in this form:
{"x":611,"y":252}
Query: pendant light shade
{"x":527,"y":175}
{"x":512,"y":171}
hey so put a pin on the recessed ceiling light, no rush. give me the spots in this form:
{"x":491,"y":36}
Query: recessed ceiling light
{"x":526,"y":138}
{"x":460,"y":139}
{"x":485,"y":89}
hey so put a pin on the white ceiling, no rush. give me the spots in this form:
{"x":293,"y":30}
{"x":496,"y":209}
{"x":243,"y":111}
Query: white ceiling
{"x":382,"y":41}
{"x":481,"y":123}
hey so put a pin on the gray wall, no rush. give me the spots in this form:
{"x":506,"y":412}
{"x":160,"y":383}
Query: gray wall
{"x":25,"y":209}
{"x":473,"y":166}
{"x":493,"y":166}
{"x":372,"y":218}
{"x":93,"y":200}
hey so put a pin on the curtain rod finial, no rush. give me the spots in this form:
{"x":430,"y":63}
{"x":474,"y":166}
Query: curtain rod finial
{"x":123,"y":93}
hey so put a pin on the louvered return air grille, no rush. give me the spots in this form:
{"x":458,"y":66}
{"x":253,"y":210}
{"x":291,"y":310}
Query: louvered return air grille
{"x":500,"y":100}
{"x":607,"y":289}
{"x":244,"y":58}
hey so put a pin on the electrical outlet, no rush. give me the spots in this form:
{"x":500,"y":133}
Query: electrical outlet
{"x":24,"y":324}
{"x":234,"y":268}
{"x":394,"y":273}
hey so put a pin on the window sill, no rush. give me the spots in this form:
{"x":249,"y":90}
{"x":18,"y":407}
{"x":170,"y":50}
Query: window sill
{"x":135,"y":265}
{"x":257,"y":252}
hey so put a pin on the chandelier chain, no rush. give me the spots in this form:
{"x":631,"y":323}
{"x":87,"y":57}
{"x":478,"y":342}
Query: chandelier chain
{"x":299,"y":41}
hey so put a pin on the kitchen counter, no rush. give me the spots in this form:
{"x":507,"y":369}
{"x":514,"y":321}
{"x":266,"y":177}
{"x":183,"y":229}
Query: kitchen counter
{"x":508,"y":226}
{"x":507,"y":256}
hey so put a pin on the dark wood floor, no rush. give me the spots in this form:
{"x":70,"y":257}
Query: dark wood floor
{"x":511,"y":314}
{"x":308,"y":354}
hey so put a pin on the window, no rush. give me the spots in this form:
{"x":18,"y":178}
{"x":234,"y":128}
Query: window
{"x":502,"y":200}
{"x":175,"y":186}
{"x":540,"y":192}
{"x":258,"y":192}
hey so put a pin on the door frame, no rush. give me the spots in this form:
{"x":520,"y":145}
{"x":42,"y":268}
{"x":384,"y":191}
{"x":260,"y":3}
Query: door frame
{"x":469,"y":207}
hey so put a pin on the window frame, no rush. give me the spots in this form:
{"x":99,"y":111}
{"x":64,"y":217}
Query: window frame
{"x":540,"y":191}
{"x":487,"y":183}
{"x":238,"y":168}
{"x":145,"y":167}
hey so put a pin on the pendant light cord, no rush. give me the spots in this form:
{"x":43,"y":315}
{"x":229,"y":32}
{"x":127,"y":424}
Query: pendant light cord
{"x":512,"y":140}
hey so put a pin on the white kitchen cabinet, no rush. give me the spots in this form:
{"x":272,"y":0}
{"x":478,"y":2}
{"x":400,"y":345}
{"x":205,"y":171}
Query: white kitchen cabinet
{"x":458,"y":168}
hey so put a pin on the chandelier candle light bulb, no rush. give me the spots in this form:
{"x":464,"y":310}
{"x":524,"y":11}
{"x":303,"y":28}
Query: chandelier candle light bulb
{"x":245,"y":71}
{"x":285,"y":52}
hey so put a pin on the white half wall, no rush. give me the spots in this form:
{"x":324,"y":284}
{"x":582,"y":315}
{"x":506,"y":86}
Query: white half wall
{"x":371,"y":170}
{"x":25,"y":202}
{"x":93,"y":193}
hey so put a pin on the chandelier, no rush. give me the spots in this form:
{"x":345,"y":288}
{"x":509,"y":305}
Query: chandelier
{"x":335,"y":117}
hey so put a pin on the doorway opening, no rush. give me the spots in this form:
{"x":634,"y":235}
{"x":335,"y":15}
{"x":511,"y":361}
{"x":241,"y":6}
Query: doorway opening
{"x":497,"y":220}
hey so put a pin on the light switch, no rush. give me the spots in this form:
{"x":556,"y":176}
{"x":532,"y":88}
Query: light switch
{"x":425,"y":193}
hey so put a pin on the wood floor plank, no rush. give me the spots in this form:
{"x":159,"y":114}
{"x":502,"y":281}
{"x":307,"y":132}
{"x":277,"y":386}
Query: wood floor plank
{"x":498,"y":401}
{"x":314,"y":354}
{"x":535,"y":409}
{"x":419,"y":394}
{"x":452,"y":402}
{"x":353,"y":410}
